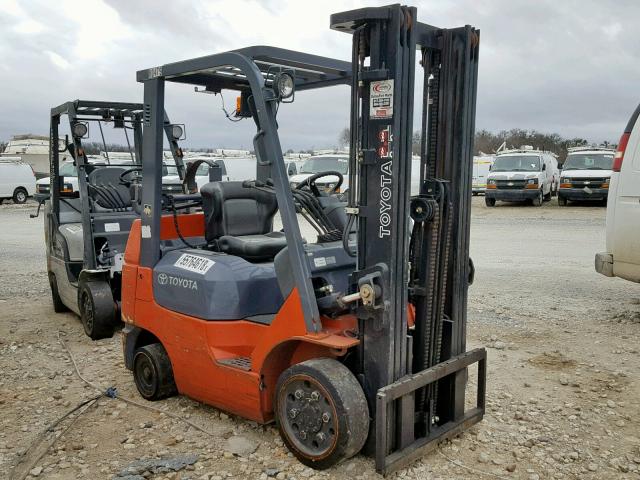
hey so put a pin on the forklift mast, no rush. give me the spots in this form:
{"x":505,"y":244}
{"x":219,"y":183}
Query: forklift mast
{"x":414,"y":378}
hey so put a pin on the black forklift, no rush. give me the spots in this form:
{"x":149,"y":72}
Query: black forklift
{"x":356,"y":341}
{"x":88,"y":215}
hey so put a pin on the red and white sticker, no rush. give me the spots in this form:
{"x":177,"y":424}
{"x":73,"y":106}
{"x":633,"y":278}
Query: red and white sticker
{"x":381,"y":99}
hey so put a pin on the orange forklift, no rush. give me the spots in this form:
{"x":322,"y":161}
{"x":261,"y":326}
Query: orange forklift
{"x":354,"y":341}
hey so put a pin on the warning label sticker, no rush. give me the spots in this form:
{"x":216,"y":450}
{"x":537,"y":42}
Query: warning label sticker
{"x":381,"y":99}
{"x":194,"y":263}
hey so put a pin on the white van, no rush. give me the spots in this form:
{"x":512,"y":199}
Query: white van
{"x":481,"y":167}
{"x":522,"y":174}
{"x":622,"y":258}
{"x":585,"y":174}
{"x":17,"y":180}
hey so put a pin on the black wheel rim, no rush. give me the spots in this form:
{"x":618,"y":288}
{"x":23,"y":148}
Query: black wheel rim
{"x":87,"y":310}
{"x":307,"y":416}
{"x":145,"y":374}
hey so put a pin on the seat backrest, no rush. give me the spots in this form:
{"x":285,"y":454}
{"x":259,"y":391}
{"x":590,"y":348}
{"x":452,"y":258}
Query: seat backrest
{"x":107,"y":190}
{"x":233,"y":209}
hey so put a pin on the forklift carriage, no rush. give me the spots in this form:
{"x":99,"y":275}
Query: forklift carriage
{"x":356,"y":341}
{"x":86,"y":230}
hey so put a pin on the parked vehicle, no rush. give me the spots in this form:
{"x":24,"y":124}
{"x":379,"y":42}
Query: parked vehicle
{"x":325,"y":163}
{"x":585,"y":174}
{"x":17,"y":180}
{"x":522,"y":174}
{"x":481,"y":167}
{"x":622,"y":258}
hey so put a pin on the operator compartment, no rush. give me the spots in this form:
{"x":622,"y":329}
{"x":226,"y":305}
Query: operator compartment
{"x":216,"y":286}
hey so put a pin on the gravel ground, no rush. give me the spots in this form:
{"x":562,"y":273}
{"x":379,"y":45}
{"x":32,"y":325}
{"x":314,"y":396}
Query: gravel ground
{"x":563,"y":390}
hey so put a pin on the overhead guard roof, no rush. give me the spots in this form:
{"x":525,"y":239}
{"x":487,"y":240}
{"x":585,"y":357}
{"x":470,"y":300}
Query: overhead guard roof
{"x":214,"y":72}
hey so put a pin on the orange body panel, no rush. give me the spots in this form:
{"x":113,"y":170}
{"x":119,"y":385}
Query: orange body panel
{"x":195,"y":346}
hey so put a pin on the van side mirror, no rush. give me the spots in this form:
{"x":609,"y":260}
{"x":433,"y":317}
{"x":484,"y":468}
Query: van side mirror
{"x":544,"y":167}
{"x":292,"y":169}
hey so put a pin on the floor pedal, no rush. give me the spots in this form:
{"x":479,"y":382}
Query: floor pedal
{"x":243,"y":363}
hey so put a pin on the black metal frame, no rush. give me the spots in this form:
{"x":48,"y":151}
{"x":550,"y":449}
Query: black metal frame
{"x":249,"y":70}
{"x":87,"y":111}
{"x":414,"y":380}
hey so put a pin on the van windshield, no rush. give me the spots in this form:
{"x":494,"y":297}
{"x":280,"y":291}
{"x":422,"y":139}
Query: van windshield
{"x":588,"y":161}
{"x":517,"y":163}
{"x":68,"y":170}
{"x":324,"y":164}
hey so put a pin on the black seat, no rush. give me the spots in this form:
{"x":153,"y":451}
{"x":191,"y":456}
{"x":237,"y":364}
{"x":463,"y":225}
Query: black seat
{"x":239,"y":220}
{"x":106,"y":190}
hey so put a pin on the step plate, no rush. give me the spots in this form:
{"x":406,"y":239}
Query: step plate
{"x":242,"y":363}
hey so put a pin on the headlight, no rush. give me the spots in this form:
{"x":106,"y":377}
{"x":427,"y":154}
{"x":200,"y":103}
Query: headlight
{"x":43,"y":188}
{"x":491,"y":181}
{"x":67,"y":188}
{"x":283,"y":85}
{"x":532,"y":181}
{"x":80,"y":129}
{"x":176,"y":132}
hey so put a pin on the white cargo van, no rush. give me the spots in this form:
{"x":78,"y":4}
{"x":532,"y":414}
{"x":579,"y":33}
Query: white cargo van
{"x":481,"y":167}
{"x":622,"y":258}
{"x":17,"y":180}
{"x":522,"y":174}
{"x":585,"y":174}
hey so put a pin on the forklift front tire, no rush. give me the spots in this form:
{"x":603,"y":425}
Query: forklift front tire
{"x":490,"y":202}
{"x":152,"y":372}
{"x":321,"y":412}
{"x":58,"y":305}
{"x":97,"y":309}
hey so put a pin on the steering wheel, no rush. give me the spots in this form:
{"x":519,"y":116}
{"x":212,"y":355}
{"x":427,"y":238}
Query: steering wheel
{"x":127,"y":172}
{"x":311,"y":182}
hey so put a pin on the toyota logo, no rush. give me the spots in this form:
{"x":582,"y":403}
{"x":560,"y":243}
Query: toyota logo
{"x":163,"y":279}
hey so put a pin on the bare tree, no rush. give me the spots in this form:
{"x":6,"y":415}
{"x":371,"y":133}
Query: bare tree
{"x":344,"y":138}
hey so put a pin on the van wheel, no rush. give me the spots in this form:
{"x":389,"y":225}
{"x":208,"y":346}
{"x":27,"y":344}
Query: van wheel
{"x":537,"y":202}
{"x":562,"y":201}
{"x":97,"y":309}
{"x":58,"y":305}
{"x":153,"y":373}
{"x":1,"y":200}
{"x":490,"y":202}
{"x":547,"y":197}
{"x":321,"y":412}
{"x":20,"y":195}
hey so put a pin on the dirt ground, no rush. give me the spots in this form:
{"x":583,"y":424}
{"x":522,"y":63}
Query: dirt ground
{"x":563,"y":390}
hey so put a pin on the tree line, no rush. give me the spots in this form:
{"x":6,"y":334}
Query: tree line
{"x":489,"y":142}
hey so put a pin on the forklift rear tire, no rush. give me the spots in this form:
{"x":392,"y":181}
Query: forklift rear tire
{"x":58,"y":305}
{"x":321,"y":412}
{"x":152,"y":372}
{"x":490,"y":202}
{"x":97,"y":309}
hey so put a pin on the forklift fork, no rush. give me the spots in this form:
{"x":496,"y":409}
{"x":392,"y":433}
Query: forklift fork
{"x":402,"y":391}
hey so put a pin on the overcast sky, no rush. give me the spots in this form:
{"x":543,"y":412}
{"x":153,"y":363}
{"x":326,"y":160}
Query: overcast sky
{"x":571,"y":67}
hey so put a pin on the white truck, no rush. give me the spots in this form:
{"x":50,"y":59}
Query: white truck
{"x":481,"y":168}
{"x":586,"y":174}
{"x":622,"y":258}
{"x":522,"y":174}
{"x":17,"y":180}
